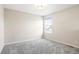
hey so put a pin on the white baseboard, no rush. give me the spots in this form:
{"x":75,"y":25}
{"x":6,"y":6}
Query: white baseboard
{"x":36,"y":38}
{"x":62,"y":42}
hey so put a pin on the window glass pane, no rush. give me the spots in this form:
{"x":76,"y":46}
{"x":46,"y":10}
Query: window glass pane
{"x":48,"y":24}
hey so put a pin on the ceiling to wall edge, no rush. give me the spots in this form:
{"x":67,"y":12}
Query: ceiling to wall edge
{"x":40,"y":15}
{"x":62,"y":10}
{"x":21,"y":11}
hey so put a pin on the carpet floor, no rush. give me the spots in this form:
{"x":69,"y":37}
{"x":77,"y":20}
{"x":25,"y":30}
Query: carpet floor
{"x":39,"y":46}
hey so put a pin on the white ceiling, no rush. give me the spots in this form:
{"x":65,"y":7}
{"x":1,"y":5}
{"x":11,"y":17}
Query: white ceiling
{"x":30,"y":8}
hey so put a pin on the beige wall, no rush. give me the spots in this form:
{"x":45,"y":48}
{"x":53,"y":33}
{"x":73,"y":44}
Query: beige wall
{"x":65,"y":27}
{"x":1,"y":28}
{"x":20,"y":26}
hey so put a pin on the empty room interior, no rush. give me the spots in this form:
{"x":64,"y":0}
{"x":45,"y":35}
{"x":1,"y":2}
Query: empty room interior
{"x":39,"y":29}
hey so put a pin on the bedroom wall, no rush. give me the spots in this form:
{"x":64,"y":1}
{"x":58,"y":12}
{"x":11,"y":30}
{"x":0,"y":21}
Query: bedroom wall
{"x":1,"y":27}
{"x":65,"y":27}
{"x":20,"y":26}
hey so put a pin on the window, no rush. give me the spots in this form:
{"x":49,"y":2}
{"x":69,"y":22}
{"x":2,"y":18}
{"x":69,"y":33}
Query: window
{"x":48,"y":24}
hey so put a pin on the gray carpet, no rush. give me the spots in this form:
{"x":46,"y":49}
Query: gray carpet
{"x":39,"y":46}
